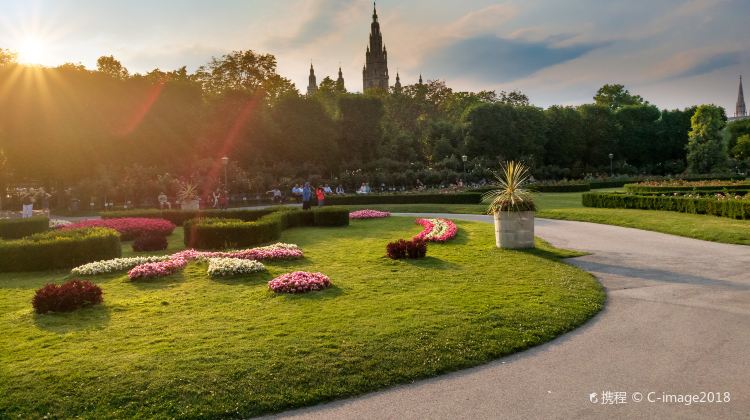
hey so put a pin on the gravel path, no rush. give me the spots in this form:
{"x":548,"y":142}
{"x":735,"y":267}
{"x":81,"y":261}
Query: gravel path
{"x":677,"y":321}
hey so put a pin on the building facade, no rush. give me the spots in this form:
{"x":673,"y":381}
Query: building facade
{"x":375,"y":72}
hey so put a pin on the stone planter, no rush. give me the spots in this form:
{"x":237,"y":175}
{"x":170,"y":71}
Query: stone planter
{"x":190,"y":204}
{"x":514,"y":229}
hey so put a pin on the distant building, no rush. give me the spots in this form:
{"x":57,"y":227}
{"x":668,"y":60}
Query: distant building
{"x":375,"y":72}
{"x":740,"y":111}
{"x":312,"y":85}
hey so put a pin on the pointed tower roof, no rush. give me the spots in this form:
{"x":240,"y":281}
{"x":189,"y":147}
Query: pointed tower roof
{"x":420,"y":78}
{"x":312,"y":85}
{"x":374,"y":12}
{"x":740,"y":110}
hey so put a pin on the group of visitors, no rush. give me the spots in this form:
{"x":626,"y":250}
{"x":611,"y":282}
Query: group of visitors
{"x":31,"y":197}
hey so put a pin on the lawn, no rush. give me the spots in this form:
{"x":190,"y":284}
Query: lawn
{"x":190,"y":346}
{"x":567,"y":206}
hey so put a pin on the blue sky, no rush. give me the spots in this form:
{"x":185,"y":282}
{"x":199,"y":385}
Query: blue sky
{"x":675,"y":53}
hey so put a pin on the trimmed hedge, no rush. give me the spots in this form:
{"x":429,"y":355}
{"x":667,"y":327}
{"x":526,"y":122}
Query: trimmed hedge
{"x":706,"y":189}
{"x":220,"y":233}
{"x":460,"y":198}
{"x":178,"y":217}
{"x":59,"y":249}
{"x":735,"y":209}
{"x":18,"y":228}
{"x":560,"y":188}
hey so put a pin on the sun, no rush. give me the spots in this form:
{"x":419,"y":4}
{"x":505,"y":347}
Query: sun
{"x":32,"y":51}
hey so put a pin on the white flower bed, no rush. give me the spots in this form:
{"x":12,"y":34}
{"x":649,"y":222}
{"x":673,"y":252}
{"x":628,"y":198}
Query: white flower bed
{"x":58,"y":223}
{"x":224,"y":267}
{"x":117,"y":264}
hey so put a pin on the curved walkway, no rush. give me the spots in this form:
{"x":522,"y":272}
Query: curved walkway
{"x":677,"y":321}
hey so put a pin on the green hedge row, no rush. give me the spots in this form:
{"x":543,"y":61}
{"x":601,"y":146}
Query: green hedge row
{"x":221,"y":233}
{"x":18,"y":228}
{"x":708,"y":189}
{"x":59,"y":249}
{"x":459,"y":198}
{"x":178,"y":217}
{"x":735,"y":209}
{"x":560,"y":188}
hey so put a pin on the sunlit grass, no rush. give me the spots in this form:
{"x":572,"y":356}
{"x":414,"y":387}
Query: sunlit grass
{"x":189,"y":346}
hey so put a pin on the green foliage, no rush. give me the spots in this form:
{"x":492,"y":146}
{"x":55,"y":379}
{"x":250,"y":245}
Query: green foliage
{"x":244,"y":71}
{"x":331,"y":217}
{"x":615,"y":96}
{"x":735,"y":209}
{"x":741,"y":149}
{"x":714,"y":187}
{"x":18,"y":228}
{"x":59,"y":249}
{"x":560,"y":187}
{"x":110,"y":66}
{"x":460,"y":198}
{"x":735,"y":130}
{"x":706,"y":152}
{"x":511,"y":194}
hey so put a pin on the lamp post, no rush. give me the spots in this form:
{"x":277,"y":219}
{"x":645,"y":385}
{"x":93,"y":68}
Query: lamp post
{"x":464,"y":158}
{"x":225,"y":161}
{"x":611,"y":165}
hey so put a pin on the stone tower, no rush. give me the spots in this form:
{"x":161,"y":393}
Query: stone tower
{"x":340,"y":82}
{"x":397,"y":86}
{"x":312,"y":86}
{"x":740,"y":111}
{"x":375,"y":72}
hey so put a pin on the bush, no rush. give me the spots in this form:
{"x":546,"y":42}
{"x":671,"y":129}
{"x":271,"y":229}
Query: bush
{"x":130,"y":227}
{"x":150,"y":243}
{"x":702,"y":187}
{"x":416,"y":248}
{"x":331,"y":217}
{"x":560,"y":187}
{"x":59,"y":249}
{"x":732,"y":208}
{"x":460,"y":198}
{"x":66,"y":297}
{"x":18,"y":228}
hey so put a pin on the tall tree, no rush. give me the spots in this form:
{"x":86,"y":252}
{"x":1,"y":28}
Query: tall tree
{"x":615,"y":96}
{"x":361,"y":130}
{"x":110,"y":66}
{"x":244,"y":71}
{"x":705,"y":148}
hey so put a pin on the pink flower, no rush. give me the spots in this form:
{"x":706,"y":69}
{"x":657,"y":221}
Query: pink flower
{"x":129,"y":227}
{"x":299,"y":282}
{"x":436,"y":230}
{"x":157,"y":269}
{"x":368,"y":214}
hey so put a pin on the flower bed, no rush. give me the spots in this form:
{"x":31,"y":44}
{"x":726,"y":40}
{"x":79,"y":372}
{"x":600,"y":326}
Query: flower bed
{"x":116,"y":264}
{"x":130,"y":227}
{"x":225,"y":267}
{"x":59,"y":223}
{"x":401,"y":249}
{"x":66,"y":297}
{"x":157,"y":269}
{"x":277,"y":251}
{"x":437,"y":230}
{"x":150,"y":243}
{"x":299,"y":282}
{"x":368,"y":214}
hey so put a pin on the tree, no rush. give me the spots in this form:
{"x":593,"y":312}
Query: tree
{"x":361,"y":130}
{"x":735,"y":130}
{"x":7,"y":57}
{"x":616,"y":96}
{"x":741,"y":149}
{"x":514,"y":97}
{"x":705,"y":149}
{"x":244,"y":71}
{"x":638,"y":134}
{"x":672,"y":132}
{"x":111,"y":67}
{"x":565,"y":144}
{"x":599,"y":136}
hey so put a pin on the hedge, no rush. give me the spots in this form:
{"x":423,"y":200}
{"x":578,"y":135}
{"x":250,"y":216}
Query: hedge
{"x":706,"y":189}
{"x":59,"y":249}
{"x":18,"y":228}
{"x":559,"y":188}
{"x":220,"y":233}
{"x":365,"y":199}
{"x":178,"y":217}
{"x":735,"y":209}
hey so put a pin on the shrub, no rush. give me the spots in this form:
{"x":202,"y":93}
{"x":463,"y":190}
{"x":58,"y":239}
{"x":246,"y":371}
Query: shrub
{"x":459,"y":198}
{"x":18,"y":228}
{"x":511,"y":193}
{"x":331,"y":217}
{"x":66,"y":297}
{"x":560,"y":187}
{"x":59,"y":249}
{"x":130,"y":227}
{"x":732,"y":208}
{"x":688,"y":186}
{"x":299,"y":282}
{"x":179,"y":217}
{"x":416,"y":248}
{"x":150,"y":243}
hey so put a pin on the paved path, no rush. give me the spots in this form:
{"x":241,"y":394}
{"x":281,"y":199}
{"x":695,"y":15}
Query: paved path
{"x":677,"y":320}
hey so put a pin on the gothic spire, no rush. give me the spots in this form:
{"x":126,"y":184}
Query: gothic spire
{"x":374,"y":12}
{"x":312,"y":85}
{"x":420,"y":78}
{"x":740,"y":110}
{"x":340,"y":81}
{"x":375,"y":72}
{"x":397,"y":86}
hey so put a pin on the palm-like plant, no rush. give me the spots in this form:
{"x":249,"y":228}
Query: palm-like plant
{"x":511,"y":194}
{"x":187,"y":192}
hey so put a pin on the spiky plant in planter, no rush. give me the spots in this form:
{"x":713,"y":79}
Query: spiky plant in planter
{"x":188,"y":196}
{"x":512,"y":207}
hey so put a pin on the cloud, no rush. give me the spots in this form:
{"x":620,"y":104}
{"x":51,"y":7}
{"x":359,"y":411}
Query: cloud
{"x":696,"y":62}
{"x":324,"y":19}
{"x":493,"y":59}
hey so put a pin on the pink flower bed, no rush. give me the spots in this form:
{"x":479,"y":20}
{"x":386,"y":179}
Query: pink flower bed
{"x":368,"y":214}
{"x":437,"y":230}
{"x":157,"y":269}
{"x":299,"y":282}
{"x":129,"y":227}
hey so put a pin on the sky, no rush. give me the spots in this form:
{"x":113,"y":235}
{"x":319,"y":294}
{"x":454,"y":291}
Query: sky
{"x":674,"y":53}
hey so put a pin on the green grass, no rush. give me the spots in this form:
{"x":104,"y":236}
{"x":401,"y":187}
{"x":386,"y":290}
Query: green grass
{"x":190,"y":346}
{"x":567,"y":206}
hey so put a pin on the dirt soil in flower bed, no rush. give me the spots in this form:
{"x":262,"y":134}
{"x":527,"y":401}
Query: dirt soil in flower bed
{"x":191,"y":346}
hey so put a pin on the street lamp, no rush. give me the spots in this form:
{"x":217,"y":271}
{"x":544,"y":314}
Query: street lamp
{"x":611,"y":165}
{"x":464,"y":158}
{"x":225,"y":161}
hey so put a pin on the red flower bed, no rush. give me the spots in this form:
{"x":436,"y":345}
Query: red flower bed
{"x":150,"y":243}
{"x":416,"y":248}
{"x":130,"y":227}
{"x":437,"y":230}
{"x":299,"y":282}
{"x":66,"y":297}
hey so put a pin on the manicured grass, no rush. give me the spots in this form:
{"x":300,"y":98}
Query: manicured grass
{"x":189,"y":346}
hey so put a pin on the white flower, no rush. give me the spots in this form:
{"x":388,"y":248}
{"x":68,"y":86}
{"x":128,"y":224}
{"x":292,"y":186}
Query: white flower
{"x":117,"y":264}
{"x":222,"y":267}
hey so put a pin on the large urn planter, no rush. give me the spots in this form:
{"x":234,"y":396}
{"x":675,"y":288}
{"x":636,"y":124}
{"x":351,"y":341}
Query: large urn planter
{"x":514,"y":229}
{"x":190,"y":204}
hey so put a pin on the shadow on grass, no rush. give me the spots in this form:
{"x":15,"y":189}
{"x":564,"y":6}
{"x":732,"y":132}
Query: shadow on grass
{"x":430,"y":263}
{"x":245,"y":279}
{"x":330,"y":293}
{"x":93,"y":317}
{"x":158,"y":283}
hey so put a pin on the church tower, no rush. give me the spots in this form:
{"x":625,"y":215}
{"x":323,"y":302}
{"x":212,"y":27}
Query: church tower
{"x":340,"y":82}
{"x":397,"y":86}
{"x":740,"y":111}
{"x":375,"y":72}
{"x":312,"y":86}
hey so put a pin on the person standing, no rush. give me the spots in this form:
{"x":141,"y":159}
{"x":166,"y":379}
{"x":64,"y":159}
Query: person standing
{"x":320,"y":194}
{"x":28,"y":206}
{"x":307,"y":194}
